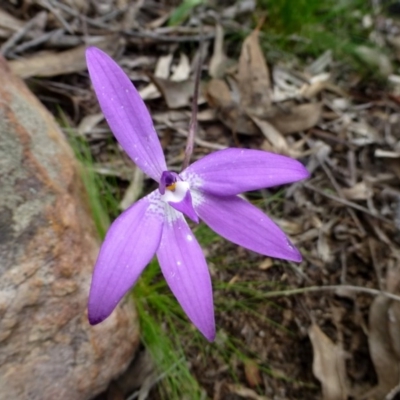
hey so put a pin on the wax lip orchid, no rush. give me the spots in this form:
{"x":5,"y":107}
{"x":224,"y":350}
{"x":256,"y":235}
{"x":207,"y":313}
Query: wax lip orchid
{"x":207,"y":189}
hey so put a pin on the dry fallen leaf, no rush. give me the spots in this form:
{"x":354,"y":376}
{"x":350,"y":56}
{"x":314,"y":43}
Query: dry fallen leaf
{"x":276,"y":139}
{"x":252,"y":373}
{"x":383,"y":356}
{"x":313,"y":89}
{"x":290,"y":227}
{"x":162,"y":70}
{"x":323,"y":248}
{"x":253,"y":77}
{"x":363,"y":132}
{"x":220,"y":97}
{"x":58,"y":63}
{"x":297,"y":118}
{"x":360,"y":191}
{"x":328,"y":365}
{"x":266,"y":264}
{"x":219,"y":60}
{"x":253,"y":92}
{"x":384,"y":337}
{"x":177,"y":89}
{"x":176,"y":94}
{"x":218,"y":94}
{"x":9,"y":22}
{"x":182,"y":70}
{"x":393,"y":286}
{"x":246,"y":393}
{"x":246,"y":105}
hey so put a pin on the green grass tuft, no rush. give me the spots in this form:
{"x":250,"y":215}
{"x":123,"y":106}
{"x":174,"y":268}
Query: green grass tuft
{"x":182,"y":12}
{"x":163,"y":324}
{"x":307,"y":28}
{"x":102,"y":201}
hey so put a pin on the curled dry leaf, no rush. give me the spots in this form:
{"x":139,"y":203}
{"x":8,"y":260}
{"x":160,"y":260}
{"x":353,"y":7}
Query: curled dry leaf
{"x":162,"y":71}
{"x":176,"y":94}
{"x":328,"y":365}
{"x":182,"y":70}
{"x":219,"y":60}
{"x":176,"y":89}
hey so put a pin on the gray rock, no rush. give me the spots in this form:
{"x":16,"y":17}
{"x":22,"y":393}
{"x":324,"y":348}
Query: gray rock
{"x":48,"y":247}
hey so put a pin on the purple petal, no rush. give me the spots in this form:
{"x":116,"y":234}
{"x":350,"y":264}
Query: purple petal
{"x":130,"y":243}
{"x":185,"y":270}
{"x":233,"y":171}
{"x":242,"y":223}
{"x":125,"y":112}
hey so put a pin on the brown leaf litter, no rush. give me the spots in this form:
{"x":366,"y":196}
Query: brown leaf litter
{"x":245,"y":101}
{"x":345,"y":218}
{"x":328,"y":365}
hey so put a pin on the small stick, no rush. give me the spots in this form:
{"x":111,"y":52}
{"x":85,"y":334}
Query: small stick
{"x":308,"y":289}
{"x":346,"y":202}
{"x":193,"y":120}
{"x":18,"y":35}
{"x":38,"y":40}
{"x":57,"y":15}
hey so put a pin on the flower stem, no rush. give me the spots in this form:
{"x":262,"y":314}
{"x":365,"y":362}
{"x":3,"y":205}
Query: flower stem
{"x":193,"y":120}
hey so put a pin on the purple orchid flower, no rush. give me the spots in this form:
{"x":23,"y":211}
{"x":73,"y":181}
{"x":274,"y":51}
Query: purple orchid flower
{"x":207,"y":189}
